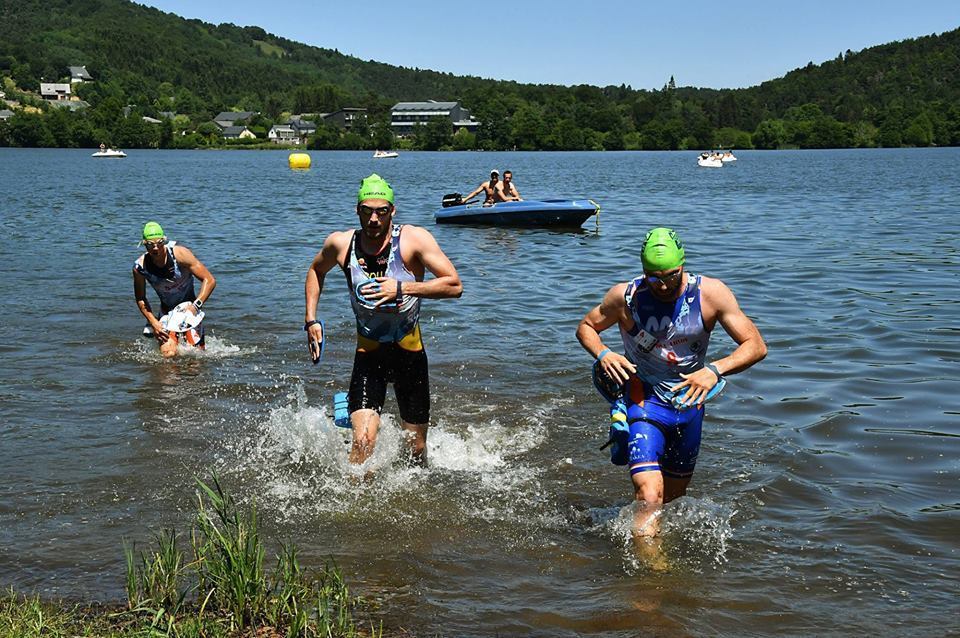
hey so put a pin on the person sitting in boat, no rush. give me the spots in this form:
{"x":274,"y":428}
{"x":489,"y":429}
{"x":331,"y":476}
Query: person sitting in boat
{"x":171,"y":271}
{"x":488,"y":188}
{"x":506,"y":191}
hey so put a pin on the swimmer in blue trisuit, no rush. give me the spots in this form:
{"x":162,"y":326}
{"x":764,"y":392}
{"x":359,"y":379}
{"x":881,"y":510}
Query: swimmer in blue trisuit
{"x":385,"y":265}
{"x":171,"y":270}
{"x":665,"y":317}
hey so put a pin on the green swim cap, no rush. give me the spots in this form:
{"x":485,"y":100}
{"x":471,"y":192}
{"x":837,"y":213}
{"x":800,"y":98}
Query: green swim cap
{"x":374,"y":187}
{"x":152,"y":231}
{"x":662,"y":250}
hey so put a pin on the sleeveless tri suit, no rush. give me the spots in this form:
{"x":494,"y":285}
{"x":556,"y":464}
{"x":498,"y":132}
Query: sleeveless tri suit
{"x":667,"y":339}
{"x":173,"y":286}
{"x":389,"y":347}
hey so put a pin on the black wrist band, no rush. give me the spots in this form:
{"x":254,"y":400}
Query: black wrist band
{"x":399,"y":293}
{"x":712,"y":368}
{"x":307,"y":325}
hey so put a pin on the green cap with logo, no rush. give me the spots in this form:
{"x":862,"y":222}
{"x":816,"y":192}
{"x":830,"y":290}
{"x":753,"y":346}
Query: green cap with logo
{"x":152,"y":231}
{"x":374,"y":187}
{"x":662,"y":250}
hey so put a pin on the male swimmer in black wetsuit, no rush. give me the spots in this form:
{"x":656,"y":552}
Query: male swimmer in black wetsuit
{"x":385,"y":265}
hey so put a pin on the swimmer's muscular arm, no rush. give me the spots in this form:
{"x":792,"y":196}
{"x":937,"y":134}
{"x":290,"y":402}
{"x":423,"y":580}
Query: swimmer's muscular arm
{"x":610,"y":311}
{"x":207,"y":281}
{"x":140,"y":294}
{"x":446,"y":284}
{"x":322,"y":263}
{"x":723,"y":305}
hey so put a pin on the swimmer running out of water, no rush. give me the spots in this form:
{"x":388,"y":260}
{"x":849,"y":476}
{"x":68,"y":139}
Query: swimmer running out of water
{"x":171,"y":270}
{"x":384,"y":264}
{"x":665,"y":318}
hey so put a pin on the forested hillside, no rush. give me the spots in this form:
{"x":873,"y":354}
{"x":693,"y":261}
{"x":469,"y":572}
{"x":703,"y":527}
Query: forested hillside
{"x":904,"y":93}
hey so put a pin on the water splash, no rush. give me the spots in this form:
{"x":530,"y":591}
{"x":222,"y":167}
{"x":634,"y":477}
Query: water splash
{"x":298,"y":459}
{"x":145,"y":350}
{"x":694,"y":533}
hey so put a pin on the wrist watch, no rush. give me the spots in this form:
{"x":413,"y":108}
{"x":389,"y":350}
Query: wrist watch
{"x":198,"y":303}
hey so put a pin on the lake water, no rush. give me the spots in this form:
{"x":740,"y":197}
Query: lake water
{"x":827,"y":494}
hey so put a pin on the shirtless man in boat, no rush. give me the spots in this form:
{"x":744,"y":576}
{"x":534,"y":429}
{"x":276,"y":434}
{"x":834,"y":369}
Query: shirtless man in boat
{"x":506,"y":191}
{"x":488,"y":188}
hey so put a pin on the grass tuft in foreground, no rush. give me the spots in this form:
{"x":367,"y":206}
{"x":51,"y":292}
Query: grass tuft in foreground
{"x":223,"y":590}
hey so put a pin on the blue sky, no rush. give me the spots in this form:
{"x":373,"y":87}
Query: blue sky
{"x":725,"y":44}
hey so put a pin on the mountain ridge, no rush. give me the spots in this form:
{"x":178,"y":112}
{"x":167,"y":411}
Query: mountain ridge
{"x":159,"y":61}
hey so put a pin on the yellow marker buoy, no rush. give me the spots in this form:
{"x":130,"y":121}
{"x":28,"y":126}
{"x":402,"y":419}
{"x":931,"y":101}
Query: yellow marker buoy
{"x":299,"y":160}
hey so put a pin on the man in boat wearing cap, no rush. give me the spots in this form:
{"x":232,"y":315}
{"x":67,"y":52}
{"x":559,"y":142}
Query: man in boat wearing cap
{"x":665,"y":318}
{"x":171,"y":270}
{"x":488,"y":188}
{"x":384,"y":264}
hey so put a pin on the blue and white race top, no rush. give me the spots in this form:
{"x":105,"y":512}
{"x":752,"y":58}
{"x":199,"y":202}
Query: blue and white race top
{"x":668,"y":338}
{"x":390,"y":322}
{"x":172,"y":284}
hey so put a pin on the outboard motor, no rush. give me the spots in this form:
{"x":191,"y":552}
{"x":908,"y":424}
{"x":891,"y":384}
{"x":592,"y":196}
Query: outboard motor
{"x":452,"y":199}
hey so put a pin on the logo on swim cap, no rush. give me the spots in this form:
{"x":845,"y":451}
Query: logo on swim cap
{"x":152,"y":231}
{"x":662,"y":250}
{"x":374,"y":187}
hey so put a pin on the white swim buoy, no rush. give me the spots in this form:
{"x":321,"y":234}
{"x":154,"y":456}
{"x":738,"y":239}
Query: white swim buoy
{"x":180,"y":319}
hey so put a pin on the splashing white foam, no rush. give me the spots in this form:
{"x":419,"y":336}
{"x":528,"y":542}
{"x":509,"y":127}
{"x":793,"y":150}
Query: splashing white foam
{"x":299,"y":460}
{"x":145,"y":350}
{"x":694,"y":533}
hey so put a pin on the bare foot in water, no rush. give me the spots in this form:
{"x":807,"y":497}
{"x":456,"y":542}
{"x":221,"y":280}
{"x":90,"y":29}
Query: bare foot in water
{"x":650,"y":552}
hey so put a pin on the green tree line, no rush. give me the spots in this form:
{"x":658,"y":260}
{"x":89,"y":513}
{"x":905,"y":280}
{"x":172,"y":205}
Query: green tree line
{"x":902,"y":93}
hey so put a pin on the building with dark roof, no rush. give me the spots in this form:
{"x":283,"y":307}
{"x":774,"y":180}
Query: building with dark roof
{"x":346,"y":117}
{"x":232,"y":118}
{"x":405,"y":116}
{"x":55,"y":91}
{"x":238,"y":133}
{"x":79,"y":74}
{"x":303,"y":128}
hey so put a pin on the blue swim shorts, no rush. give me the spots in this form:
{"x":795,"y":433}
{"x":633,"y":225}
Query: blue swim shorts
{"x":662,"y":438}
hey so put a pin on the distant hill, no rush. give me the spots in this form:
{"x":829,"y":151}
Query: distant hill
{"x":900,"y":93}
{"x":141,"y":47}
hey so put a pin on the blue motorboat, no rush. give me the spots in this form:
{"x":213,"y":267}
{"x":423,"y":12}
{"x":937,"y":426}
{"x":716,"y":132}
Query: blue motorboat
{"x":545,"y":212}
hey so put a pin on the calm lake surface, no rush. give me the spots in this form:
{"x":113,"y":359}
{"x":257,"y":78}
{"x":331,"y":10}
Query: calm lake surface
{"x":827,"y":494}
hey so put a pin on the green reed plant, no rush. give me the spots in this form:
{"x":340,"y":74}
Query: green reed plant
{"x":157,"y":582}
{"x":233,"y":595}
{"x":290,"y":590}
{"x":229,"y":555}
